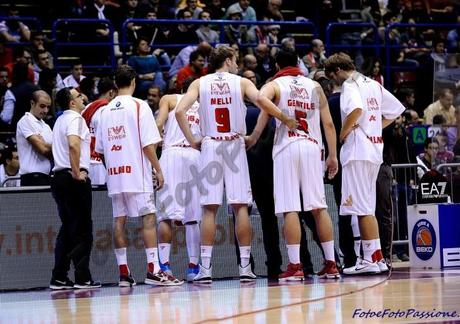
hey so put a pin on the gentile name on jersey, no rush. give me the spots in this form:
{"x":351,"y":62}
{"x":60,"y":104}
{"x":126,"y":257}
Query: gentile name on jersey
{"x":301,"y":104}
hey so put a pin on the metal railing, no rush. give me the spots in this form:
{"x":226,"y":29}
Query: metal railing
{"x":31,"y":22}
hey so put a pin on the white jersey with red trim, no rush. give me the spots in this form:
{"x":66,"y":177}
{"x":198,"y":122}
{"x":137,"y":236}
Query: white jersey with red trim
{"x":126,"y":126}
{"x":365,"y":143}
{"x":173,"y":135}
{"x":298,"y":99}
{"x":222,"y":109}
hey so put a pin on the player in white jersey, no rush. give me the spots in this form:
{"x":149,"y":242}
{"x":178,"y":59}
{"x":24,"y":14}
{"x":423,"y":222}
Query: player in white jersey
{"x":223,"y":157}
{"x":178,"y":200}
{"x":126,"y":138}
{"x":366,"y":109}
{"x":297,"y":166}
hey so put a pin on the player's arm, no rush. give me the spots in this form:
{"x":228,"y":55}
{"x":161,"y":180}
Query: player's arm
{"x":264,"y":103}
{"x":151,"y":154}
{"x":184,"y":105}
{"x":386,"y":122}
{"x":329,"y":132}
{"x":40,"y":146}
{"x":74,"y":157}
{"x":167,"y":103}
{"x":350,"y":123}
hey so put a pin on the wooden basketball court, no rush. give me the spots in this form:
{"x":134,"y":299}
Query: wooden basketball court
{"x":401,"y":297}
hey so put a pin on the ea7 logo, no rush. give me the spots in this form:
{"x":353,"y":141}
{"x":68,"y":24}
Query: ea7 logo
{"x":117,"y":130}
{"x":372,"y":104}
{"x":298,"y":92}
{"x":433,"y":188}
{"x":220,"y":88}
{"x":116,"y":148}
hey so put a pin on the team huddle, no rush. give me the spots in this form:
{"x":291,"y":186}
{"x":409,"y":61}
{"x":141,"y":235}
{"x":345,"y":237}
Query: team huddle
{"x":204,"y":132}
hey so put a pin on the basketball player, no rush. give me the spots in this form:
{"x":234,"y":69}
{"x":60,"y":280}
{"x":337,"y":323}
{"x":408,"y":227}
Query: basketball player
{"x":297,"y":163}
{"x":174,"y":204}
{"x":126,"y":137}
{"x":366,"y":109}
{"x":223,"y":157}
{"x":107,"y":91}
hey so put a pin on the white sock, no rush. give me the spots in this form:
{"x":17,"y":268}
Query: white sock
{"x":368,"y":249}
{"x":358,"y":246}
{"x":206,"y":252}
{"x":164,"y":249}
{"x":192,"y":239}
{"x":245,"y":254}
{"x":121,"y":256}
{"x":293,"y":253}
{"x":152,"y":257}
{"x":328,"y":248}
{"x":377,"y":244}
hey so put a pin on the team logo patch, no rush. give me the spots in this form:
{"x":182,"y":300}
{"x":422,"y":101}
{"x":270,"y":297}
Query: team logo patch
{"x":116,"y":132}
{"x":424,"y":239}
{"x":298,"y":92}
{"x":220,"y":88}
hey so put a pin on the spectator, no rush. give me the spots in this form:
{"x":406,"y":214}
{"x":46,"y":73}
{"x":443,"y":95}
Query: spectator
{"x":147,"y":68}
{"x":17,"y":98}
{"x":20,"y":54}
{"x":372,"y":67}
{"x":154,"y":94}
{"x":164,"y":10}
{"x":9,"y":168}
{"x":427,"y":159}
{"x":14,"y":30}
{"x":443,"y":106}
{"x":215,"y":9}
{"x":192,"y":6}
{"x":453,"y":36}
{"x":182,"y":33}
{"x":204,"y":32}
{"x":242,"y":6}
{"x":273,"y":10}
{"x":44,"y":60}
{"x":265,"y":62}
{"x":152,"y":32}
{"x":182,"y":59}
{"x":315,"y":58}
{"x":288,"y":44}
{"x":407,"y":97}
{"x":444,"y":155}
{"x":4,"y":84}
{"x":236,"y":33}
{"x":47,"y":82}
{"x":76,"y":75}
{"x":194,"y":70}
{"x":34,"y":138}
{"x":248,"y":74}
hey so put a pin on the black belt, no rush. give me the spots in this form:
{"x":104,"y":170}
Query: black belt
{"x":68,"y":170}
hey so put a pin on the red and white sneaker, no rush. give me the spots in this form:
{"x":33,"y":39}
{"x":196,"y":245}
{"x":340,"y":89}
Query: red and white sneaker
{"x":294,"y":272}
{"x":329,"y":271}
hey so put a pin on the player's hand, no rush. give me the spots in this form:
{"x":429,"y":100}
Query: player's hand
{"x":344,"y":133}
{"x":332,"y":166}
{"x":196,"y":143}
{"x":291,"y":123}
{"x":80,"y":176}
{"x":160,"y":180}
{"x":250,"y":141}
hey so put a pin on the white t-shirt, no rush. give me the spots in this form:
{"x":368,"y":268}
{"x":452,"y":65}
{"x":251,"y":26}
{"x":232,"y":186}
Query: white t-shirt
{"x":126,"y":126}
{"x":30,"y":160}
{"x":4,"y":176}
{"x":222,"y":109}
{"x":365,"y":143}
{"x":70,"y":123}
{"x":299,"y":100}
{"x":173,"y":135}
{"x":69,"y":81}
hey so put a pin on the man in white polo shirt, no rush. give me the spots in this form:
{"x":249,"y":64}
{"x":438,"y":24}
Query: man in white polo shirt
{"x":34,"y":137}
{"x":126,"y":138}
{"x":71,"y":189}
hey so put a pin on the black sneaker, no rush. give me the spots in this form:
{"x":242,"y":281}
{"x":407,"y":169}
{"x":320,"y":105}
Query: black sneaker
{"x":87,"y":284}
{"x":56,"y":284}
{"x":126,"y":281}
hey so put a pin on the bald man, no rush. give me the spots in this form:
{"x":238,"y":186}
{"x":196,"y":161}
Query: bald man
{"x":34,"y":138}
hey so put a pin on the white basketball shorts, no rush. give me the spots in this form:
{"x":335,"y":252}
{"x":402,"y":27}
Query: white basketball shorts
{"x":224,"y":163}
{"x":133,"y":204}
{"x":97,"y":174}
{"x":298,"y":168}
{"x":359,"y":188}
{"x":179,"y":199}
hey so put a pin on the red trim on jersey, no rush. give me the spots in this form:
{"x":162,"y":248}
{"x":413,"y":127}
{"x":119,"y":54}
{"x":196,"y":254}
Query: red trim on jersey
{"x":288,"y":71}
{"x":92,"y":108}
{"x":138,"y":108}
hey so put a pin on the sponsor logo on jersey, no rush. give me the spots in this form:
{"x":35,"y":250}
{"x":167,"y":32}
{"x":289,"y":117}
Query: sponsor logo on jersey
{"x":375,"y":139}
{"x":424,"y":239}
{"x":298,"y":93}
{"x":119,"y":170}
{"x":219,"y":89}
{"x":372,"y":104}
{"x":348,"y":202}
{"x":372,"y":118}
{"x":116,"y":148}
{"x":116,"y":132}
{"x":117,"y":106}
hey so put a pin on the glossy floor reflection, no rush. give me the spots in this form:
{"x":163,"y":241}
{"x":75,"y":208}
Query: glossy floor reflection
{"x":315,"y":301}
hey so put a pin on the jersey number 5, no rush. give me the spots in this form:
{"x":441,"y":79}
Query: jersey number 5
{"x":300,"y":116}
{"x":222,"y":120}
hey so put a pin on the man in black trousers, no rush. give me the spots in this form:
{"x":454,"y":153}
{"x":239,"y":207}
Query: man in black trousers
{"x":71,"y":189}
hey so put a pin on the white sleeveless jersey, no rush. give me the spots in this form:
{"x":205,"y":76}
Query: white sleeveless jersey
{"x":173,"y":135}
{"x":222,"y":109}
{"x":126,"y":126}
{"x":298,"y":100}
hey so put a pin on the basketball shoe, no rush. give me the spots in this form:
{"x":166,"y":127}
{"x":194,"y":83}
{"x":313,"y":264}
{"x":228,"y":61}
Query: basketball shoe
{"x":204,"y":275}
{"x":56,"y":284}
{"x":362,"y":267}
{"x":246,"y":274}
{"x":192,"y":271}
{"x":126,"y":281}
{"x":294,"y":272}
{"x":329,"y":271}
